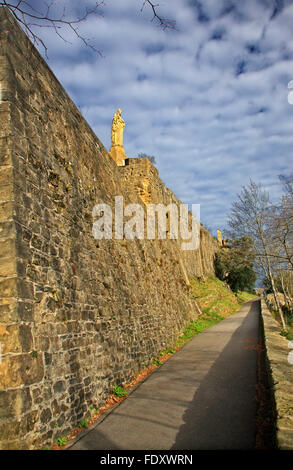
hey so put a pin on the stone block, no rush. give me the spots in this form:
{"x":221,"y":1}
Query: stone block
{"x":25,"y":289}
{"x":6,"y":211}
{"x":7,"y":267}
{"x":22,"y":369}
{"x":7,"y":248}
{"x":5,"y":154}
{"x":5,"y":124}
{"x":26,"y":311}
{"x":8,"y":287}
{"x":9,"y":339}
{"x":7,"y":192}
{"x":14,"y":403}
{"x":7,"y":229}
{"x":9,"y":310}
{"x":6,"y":174}
{"x":46,"y":416}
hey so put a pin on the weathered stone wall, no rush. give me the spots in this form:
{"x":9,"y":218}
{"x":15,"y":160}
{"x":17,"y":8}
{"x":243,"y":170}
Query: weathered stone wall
{"x":141,"y":177}
{"x":281,"y":372}
{"x":77,"y":315}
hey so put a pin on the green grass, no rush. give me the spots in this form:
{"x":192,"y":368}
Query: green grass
{"x":289,"y":334}
{"x":215,"y":297}
{"x":196,"y":327}
{"x":216,"y":301}
{"x":245,"y":296}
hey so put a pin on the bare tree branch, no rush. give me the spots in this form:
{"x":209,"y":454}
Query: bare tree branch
{"x":31,"y":18}
{"x":164,"y":22}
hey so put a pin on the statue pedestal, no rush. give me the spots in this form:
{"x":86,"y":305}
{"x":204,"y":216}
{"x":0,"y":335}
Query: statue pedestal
{"x":117,"y":152}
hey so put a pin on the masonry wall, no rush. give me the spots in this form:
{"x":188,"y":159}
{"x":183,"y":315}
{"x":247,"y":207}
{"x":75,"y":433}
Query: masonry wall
{"x":141,"y":177}
{"x":77,"y":315}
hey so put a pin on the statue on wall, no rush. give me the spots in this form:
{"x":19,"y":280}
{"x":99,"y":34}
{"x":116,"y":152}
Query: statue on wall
{"x":117,"y":150}
{"x":118,"y":125}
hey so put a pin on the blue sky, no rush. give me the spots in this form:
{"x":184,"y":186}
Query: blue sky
{"x":209,"y":100}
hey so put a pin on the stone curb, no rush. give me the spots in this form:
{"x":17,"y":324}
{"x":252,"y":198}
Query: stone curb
{"x":281,"y":372}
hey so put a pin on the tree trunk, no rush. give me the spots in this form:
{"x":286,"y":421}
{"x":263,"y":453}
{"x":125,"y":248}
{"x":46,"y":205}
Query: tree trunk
{"x":275,"y":293}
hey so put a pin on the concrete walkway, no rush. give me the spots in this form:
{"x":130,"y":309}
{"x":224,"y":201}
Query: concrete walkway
{"x":203,"y":397}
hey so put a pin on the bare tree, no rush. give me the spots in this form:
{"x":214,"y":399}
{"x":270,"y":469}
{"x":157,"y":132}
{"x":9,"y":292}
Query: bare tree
{"x":34,"y":15}
{"x":281,"y":226}
{"x":250,"y":217}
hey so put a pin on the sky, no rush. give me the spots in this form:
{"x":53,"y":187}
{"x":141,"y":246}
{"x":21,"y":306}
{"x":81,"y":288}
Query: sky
{"x":209,"y":99}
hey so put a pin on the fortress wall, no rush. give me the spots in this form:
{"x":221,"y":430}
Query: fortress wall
{"x":141,"y":177}
{"x":78,"y":315}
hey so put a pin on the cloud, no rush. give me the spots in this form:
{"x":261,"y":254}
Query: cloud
{"x":208,"y":100}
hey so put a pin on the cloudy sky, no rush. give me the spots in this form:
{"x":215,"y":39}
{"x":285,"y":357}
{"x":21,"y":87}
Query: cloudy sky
{"x":209,"y":100}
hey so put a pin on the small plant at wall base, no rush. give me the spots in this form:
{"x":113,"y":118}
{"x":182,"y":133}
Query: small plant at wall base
{"x":61,"y":441}
{"x":157,"y":362}
{"x":119,"y":391}
{"x":84,"y":423}
{"x":93,"y":410}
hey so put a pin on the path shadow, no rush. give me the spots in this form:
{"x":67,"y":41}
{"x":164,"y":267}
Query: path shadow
{"x":223,"y":410}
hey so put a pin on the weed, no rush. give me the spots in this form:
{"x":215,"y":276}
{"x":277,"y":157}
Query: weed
{"x":168,"y":351}
{"x":157,"y":362}
{"x":94,"y":410}
{"x":61,"y":441}
{"x":84,"y":423}
{"x":119,"y":391}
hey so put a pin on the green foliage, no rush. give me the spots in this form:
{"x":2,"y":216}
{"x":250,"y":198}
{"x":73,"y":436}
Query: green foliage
{"x":93,"y":410}
{"x":289,"y":334}
{"x":119,"y":391}
{"x":266,"y":283}
{"x":169,"y":350}
{"x":234,"y":265}
{"x":245,"y":296}
{"x":157,"y":362}
{"x":84,"y":423}
{"x":61,"y":441}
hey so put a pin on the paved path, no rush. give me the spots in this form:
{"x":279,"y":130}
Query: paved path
{"x":203,"y":397}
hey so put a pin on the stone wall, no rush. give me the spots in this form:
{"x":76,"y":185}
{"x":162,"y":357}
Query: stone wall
{"x":77,"y":315}
{"x":141,"y":177}
{"x":281,"y":374}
